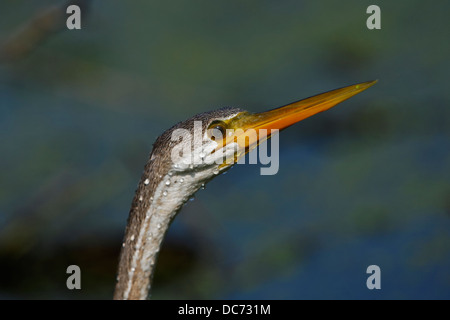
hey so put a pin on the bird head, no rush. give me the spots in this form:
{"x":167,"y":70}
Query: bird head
{"x":214,"y":141}
{"x":210,"y":143}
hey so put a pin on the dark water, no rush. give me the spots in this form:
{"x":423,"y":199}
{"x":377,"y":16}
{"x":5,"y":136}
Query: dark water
{"x":364,"y":183}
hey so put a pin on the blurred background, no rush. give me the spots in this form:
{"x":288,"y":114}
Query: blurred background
{"x":367,"y":182}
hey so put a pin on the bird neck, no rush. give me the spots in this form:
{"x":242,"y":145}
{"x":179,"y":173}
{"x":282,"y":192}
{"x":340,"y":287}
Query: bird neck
{"x":155,"y":204}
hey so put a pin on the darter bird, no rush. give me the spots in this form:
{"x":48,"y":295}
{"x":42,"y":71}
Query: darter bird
{"x":169,"y":181}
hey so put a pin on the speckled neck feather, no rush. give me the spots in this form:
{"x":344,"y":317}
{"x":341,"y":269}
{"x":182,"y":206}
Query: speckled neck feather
{"x":160,"y":195}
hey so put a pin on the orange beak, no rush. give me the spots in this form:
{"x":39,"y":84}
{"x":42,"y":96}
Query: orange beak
{"x":250,"y":129}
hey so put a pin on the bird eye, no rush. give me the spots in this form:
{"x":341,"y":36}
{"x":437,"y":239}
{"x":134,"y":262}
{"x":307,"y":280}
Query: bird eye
{"x":216,"y":131}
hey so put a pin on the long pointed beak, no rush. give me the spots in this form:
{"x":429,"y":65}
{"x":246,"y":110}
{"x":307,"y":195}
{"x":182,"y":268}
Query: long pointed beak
{"x":280,"y":118}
